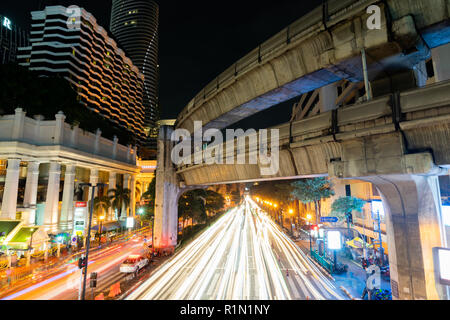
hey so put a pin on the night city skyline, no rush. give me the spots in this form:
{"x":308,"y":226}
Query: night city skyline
{"x":225,"y":159}
{"x":191,"y":55}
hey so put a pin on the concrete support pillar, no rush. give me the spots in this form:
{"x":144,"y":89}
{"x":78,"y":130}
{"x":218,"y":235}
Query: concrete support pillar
{"x":328,"y":96}
{"x":441,"y":62}
{"x":111,"y":185}
{"x":132,"y":195}
{"x":414,"y":227}
{"x":167,"y":193}
{"x":67,"y":200}
{"x":31,"y":186}
{"x":52,"y":200}
{"x":93,"y":180}
{"x":9,"y":203}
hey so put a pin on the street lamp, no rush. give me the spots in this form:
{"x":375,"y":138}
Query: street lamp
{"x":101,"y":218}
{"x":88,"y":238}
{"x":292,"y":222}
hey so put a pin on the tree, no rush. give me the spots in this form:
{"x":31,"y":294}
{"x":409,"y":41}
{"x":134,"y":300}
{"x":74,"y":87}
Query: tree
{"x":236,"y":196}
{"x":313,"y":190}
{"x":343,"y":207}
{"x":150,"y":194}
{"x":214,"y":201}
{"x":120,"y":199}
{"x":192,"y":205}
{"x":101,"y":205}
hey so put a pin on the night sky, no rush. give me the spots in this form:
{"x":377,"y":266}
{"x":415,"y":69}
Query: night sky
{"x":198,"y":40}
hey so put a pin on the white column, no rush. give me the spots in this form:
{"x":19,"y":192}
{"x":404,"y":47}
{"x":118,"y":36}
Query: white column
{"x":67,"y":200}
{"x":31,"y":186}
{"x":126,"y":185}
{"x":93,"y":180}
{"x":441,"y":62}
{"x":9,"y":203}
{"x":52,"y":200}
{"x":19,"y":121}
{"x":114,"y":149}
{"x":59,"y":128}
{"x":74,"y":137}
{"x":98,"y":134}
{"x":111,"y":185}
{"x":132,"y":196}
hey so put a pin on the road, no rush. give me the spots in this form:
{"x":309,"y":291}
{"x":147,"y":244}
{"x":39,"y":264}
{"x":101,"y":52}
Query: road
{"x":243,"y":256}
{"x":65,"y":285}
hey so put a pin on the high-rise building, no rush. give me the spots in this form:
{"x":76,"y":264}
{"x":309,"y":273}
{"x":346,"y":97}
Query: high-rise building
{"x":69,"y":43}
{"x":11,"y":38}
{"x":134,"y":24}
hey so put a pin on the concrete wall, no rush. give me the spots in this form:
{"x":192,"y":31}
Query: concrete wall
{"x":19,"y":128}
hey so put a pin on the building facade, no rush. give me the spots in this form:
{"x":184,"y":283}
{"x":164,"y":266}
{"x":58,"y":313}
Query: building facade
{"x":11,"y":38}
{"x":134,"y":24}
{"x":43,"y":163}
{"x":68,"y":42}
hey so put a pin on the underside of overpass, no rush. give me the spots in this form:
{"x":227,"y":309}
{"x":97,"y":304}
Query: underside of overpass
{"x":319,"y":49}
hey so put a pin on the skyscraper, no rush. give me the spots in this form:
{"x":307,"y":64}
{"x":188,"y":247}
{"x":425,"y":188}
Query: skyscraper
{"x":104,"y":78}
{"x":11,"y":38}
{"x":134,"y":24}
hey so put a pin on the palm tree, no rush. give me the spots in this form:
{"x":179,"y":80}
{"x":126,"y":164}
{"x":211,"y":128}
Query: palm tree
{"x":120,"y":200}
{"x":101,"y":205}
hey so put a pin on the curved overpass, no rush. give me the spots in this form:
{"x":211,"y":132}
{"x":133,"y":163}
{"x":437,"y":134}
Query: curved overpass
{"x":361,"y":140}
{"x":321,"y":48}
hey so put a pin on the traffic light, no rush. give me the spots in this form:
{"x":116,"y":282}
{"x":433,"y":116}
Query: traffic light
{"x":315,"y":227}
{"x":93,"y":281}
{"x":82,"y":262}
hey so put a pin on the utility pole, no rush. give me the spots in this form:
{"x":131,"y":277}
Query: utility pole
{"x":88,"y":238}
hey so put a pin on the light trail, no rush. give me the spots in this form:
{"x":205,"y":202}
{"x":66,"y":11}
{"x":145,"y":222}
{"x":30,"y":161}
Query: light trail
{"x":66,"y":284}
{"x":243,"y":256}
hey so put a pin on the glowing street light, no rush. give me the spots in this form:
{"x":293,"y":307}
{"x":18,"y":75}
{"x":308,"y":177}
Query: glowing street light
{"x":308,"y":217}
{"x":275,"y":205}
{"x":291,"y":211}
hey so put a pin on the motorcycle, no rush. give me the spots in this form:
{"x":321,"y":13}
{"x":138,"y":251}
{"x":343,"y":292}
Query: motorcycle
{"x":385,"y":272}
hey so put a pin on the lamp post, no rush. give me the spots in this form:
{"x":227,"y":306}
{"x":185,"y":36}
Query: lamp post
{"x":292,"y":223}
{"x":88,"y":238}
{"x":308,"y":217}
{"x":101,"y":218}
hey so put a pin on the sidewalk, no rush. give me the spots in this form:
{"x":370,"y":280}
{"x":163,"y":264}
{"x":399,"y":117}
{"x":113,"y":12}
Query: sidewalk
{"x":354,"y":280}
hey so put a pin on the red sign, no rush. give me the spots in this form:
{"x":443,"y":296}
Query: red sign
{"x":81,"y":204}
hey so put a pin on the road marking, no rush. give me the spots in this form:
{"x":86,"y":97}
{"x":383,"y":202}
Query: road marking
{"x":305,"y":291}
{"x":212,"y":285}
{"x":294,"y":289}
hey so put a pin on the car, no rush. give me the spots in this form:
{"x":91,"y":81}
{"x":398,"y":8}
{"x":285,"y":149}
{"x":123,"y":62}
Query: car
{"x":133,"y":264}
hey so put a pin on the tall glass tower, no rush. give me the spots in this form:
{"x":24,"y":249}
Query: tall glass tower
{"x":134,"y":25}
